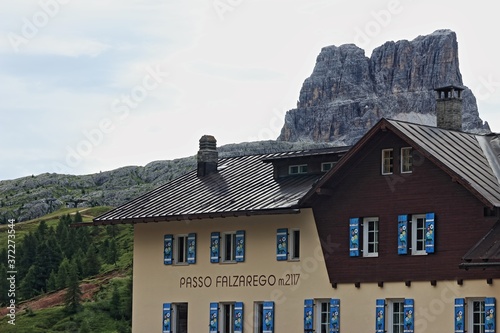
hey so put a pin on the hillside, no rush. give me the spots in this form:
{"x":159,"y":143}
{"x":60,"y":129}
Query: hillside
{"x":48,"y":250}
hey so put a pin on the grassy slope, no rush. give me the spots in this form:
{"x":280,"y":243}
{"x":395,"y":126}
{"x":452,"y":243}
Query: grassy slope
{"x":95,"y":311}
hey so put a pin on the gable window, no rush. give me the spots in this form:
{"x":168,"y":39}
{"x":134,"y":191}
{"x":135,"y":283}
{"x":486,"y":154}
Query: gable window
{"x":406,"y":160}
{"x":325,"y":166}
{"x":287,"y":244}
{"x":297,"y":169}
{"x":387,"y":162}
{"x":418,"y":232}
{"x":370,"y":237}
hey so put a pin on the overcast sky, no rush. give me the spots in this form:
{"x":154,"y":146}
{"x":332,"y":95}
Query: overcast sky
{"x":89,"y":86}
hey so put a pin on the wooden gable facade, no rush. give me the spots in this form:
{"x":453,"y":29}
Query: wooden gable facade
{"x":357,"y":189}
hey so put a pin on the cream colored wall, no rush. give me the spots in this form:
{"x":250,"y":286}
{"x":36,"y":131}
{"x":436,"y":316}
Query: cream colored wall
{"x":155,"y":283}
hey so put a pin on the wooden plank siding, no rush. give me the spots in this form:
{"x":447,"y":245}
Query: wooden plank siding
{"x":359,"y":190}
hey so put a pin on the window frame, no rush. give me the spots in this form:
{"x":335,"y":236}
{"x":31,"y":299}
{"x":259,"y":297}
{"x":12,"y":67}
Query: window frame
{"x":224,"y":306}
{"x":294,"y":245}
{"x":300,"y":169}
{"x":391,"y":302}
{"x":366,"y":239}
{"x":329,"y":164}
{"x":175,"y":317}
{"x":176,"y":246}
{"x":406,"y":161}
{"x":387,"y":161}
{"x":321,"y":315}
{"x":415,"y":239}
{"x":470,"y":324}
{"x":232,"y":245}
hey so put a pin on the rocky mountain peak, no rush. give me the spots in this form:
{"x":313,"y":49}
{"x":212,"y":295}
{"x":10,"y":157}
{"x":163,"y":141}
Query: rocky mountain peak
{"x":348,"y":92}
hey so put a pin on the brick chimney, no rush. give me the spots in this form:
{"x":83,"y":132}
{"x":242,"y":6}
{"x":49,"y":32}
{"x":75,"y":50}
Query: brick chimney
{"x":449,"y":107}
{"x":207,"y":156}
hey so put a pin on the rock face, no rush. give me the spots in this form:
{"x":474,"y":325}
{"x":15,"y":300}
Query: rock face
{"x":347,"y":93}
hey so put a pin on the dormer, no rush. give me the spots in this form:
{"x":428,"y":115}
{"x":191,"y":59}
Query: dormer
{"x":305,"y":162}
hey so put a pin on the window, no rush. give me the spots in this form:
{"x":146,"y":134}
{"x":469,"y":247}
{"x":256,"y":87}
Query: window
{"x":264,"y":317}
{"x":418,"y":235}
{"x":175,"y":317}
{"x":287,"y":244}
{"x":475,"y":315}
{"x":400,"y":316}
{"x":297,"y":169}
{"x":387,"y":162}
{"x":370,"y":237}
{"x":179,"y":250}
{"x":325,"y":166}
{"x":396,"y":316}
{"x":227,"y":318}
{"x":229,"y":254}
{"x":230,"y":247}
{"x":406,"y":160}
{"x":322,"y":315}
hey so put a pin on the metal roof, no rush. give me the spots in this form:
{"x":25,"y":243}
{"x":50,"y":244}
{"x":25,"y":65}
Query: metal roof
{"x":472,"y":158}
{"x":486,"y":252}
{"x":243,"y":185}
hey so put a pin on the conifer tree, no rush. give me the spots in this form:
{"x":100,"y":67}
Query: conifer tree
{"x":62,"y":274}
{"x":73,"y":297}
{"x":28,"y":284}
{"x":112,"y":255}
{"x":91,"y":264}
{"x":115,"y":304}
{"x":78,"y":217}
{"x":52,"y":281}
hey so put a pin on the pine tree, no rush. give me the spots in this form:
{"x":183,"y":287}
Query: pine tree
{"x":73,"y":297}
{"x":112,"y":255}
{"x":28,"y":284}
{"x":91,"y":264}
{"x":52,"y":281}
{"x":78,"y":217}
{"x":62,"y":274}
{"x":115,"y":304}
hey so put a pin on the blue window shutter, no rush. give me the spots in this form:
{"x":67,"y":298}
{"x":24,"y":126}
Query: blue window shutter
{"x":459,"y":315}
{"x":214,"y":318}
{"x":308,"y":315}
{"x":430,"y":231}
{"x":238,"y":317}
{"x":268,"y":317}
{"x":167,"y":318}
{"x":240,"y":245}
{"x":403,"y":234}
{"x":168,"y":246}
{"x":354,"y":237}
{"x":334,"y":315}
{"x":380,"y":316}
{"x":489,"y":315}
{"x":282,"y":244}
{"x":409,"y":321}
{"x":191,"y":256}
{"x":214,"y":247}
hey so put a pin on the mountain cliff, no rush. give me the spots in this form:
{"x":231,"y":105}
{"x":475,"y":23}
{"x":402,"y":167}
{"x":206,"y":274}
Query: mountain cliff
{"x":347,"y":92}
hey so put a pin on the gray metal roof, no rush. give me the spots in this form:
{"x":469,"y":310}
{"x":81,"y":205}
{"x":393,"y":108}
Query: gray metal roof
{"x":242,"y":186}
{"x":486,"y":252}
{"x":472,"y":158}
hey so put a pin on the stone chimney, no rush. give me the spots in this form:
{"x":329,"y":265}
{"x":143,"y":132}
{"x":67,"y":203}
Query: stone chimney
{"x":207,"y":156}
{"x":449,"y":107}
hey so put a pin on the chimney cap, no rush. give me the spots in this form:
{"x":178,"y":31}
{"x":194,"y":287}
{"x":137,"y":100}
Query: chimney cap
{"x":449,"y":88}
{"x":208,"y":142}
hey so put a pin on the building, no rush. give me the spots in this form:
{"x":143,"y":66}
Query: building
{"x":397,"y":234}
